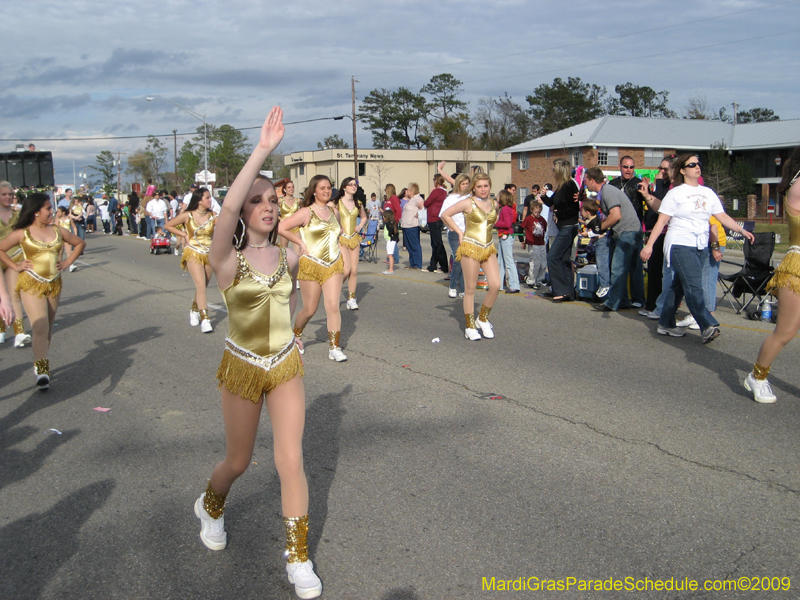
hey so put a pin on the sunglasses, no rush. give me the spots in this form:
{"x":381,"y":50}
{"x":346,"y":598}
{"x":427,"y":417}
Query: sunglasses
{"x":628,"y":166}
{"x":692,"y":165}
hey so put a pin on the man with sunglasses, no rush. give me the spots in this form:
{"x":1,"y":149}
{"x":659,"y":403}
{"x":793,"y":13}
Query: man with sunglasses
{"x":628,"y":183}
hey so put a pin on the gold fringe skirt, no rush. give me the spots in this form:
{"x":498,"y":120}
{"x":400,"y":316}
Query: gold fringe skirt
{"x":350,"y":242}
{"x":192,"y":255}
{"x":787,"y":275}
{"x":474,"y":250}
{"x":313,"y":270}
{"x":250,"y":376}
{"x":35,"y":287}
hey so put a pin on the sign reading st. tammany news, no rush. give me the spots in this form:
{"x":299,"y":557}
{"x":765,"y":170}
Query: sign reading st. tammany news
{"x":27,"y":169}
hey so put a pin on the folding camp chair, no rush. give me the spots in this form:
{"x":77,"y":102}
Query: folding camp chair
{"x":369,"y":244}
{"x":754,"y":274}
{"x":735,"y":239}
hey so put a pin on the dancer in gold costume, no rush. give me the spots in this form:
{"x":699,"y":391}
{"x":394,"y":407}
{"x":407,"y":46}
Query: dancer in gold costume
{"x":350,"y":211}
{"x":261,"y":362}
{"x":476,"y":251}
{"x":785,"y":284}
{"x":198,"y":229}
{"x":321,"y":262}
{"x":288,"y":205}
{"x":39,"y":273}
{"x":8,"y":218}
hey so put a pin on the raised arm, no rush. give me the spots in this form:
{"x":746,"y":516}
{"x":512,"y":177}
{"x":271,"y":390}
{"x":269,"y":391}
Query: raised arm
{"x":447,"y":177}
{"x":222,"y":250}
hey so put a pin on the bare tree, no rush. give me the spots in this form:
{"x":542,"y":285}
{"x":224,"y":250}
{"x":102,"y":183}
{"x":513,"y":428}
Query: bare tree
{"x":381,"y":170}
{"x":698,"y":108}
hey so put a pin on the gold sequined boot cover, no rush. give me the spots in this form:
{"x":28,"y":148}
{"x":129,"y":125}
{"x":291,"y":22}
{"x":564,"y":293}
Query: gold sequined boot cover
{"x":296,"y":539}
{"x":19,"y":328}
{"x":195,"y":308}
{"x":483,"y":316}
{"x":470,"y":320}
{"x":2,"y":325}
{"x":204,"y":314}
{"x":42,"y":366}
{"x":759,"y":372}
{"x":351,"y":295}
{"x":333,"y":339}
{"x":213,"y":502}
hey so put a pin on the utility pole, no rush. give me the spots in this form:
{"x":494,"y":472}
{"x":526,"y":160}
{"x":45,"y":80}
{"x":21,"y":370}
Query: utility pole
{"x":355,"y":143}
{"x":119,"y":175}
{"x":175,"y":141}
{"x":735,"y":112}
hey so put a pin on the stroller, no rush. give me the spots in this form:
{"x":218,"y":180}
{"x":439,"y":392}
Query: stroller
{"x":369,"y":245}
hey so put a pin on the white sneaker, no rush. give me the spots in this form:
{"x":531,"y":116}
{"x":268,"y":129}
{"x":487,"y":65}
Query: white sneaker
{"x":602,"y":292}
{"x":194,"y":318}
{"x":212,"y":531}
{"x":486,"y":328}
{"x":352,"y":304}
{"x":649,"y":314}
{"x":2,"y":337}
{"x":473,"y":335}
{"x":688,"y":322}
{"x":177,"y":252}
{"x":306,"y":583}
{"x":21,"y":340}
{"x":71,"y":268}
{"x":671,"y":331}
{"x":762,"y":391}
{"x":451,"y":293}
{"x":205,"y":326}
{"x":42,"y":381}
{"x":460,"y":294}
{"x":337,"y":355}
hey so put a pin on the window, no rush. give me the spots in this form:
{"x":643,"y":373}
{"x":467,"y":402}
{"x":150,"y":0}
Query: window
{"x":653,"y":156}
{"x":547,"y":153}
{"x":523,"y":161}
{"x":522,"y":193}
{"x":607,"y":156}
{"x":302,"y":169}
{"x":362,"y":169}
{"x":577,"y":157}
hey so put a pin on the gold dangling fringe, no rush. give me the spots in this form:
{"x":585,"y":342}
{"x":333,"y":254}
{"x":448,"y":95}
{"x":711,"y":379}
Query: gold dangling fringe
{"x":483,"y":315}
{"x":351,"y":243}
{"x":759,"y":372}
{"x":296,"y":539}
{"x":195,"y":308}
{"x":333,"y":339}
{"x":470,"y":319}
{"x":214,"y":503}
{"x":2,"y":325}
{"x":351,"y":295}
{"x":19,"y":328}
{"x":298,"y":333}
{"x":475,"y":252}
{"x":204,"y":314}
{"x":190,"y":255}
{"x":313,"y":271}
{"x":787,"y":275}
{"x":42,"y":366}
{"x":251,"y":381}
{"x":29,"y":285}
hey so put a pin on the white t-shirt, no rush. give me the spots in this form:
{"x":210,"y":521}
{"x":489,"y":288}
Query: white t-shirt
{"x":690,"y":208}
{"x":458,"y":218}
{"x":547,"y":215}
{"x":157,"y":208}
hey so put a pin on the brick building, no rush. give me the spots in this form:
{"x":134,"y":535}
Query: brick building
{"x":600,"y":142}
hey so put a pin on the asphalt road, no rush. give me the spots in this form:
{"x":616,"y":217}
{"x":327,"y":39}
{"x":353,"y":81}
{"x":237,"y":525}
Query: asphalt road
{"x":574,"y":445}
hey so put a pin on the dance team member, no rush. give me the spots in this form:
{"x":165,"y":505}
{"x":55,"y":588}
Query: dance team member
{"x":476,"y":251}
{"x":350,"y":210}
{"x":321,"y":262}
{"x":288,"y":203}
{"x":261,"y":363}
{"x":785,"y":284}
{"x":199,"y":222}
{"x":39,"y":273}
{"x":8,"y":218}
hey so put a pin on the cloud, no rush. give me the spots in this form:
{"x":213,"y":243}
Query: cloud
{"x":15,"y":107}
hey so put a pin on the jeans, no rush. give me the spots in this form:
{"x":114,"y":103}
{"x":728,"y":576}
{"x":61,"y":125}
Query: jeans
{"x":627,"y":246}
{"x":456,"y":274}
{"x":505,"y":260}
{"x":667,"y":275}
{"x":150,"y":228}
{"x":710,"y":273}
{"x":411,"y":237}
{"x":80,"y":230}
{"x":602,"y":256}
{"x":559,"y":261}
{"x":655,"y":268}
{"x":688,"y":264}
{"x":438,"y":253}
{"x":132,"y":225}
{"x":159,"y":223}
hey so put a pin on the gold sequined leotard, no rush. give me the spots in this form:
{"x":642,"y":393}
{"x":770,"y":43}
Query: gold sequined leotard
{"x":199,"y":241}
{"x":287,"y":211}
{"x":14,"y":253}
{"x":45,"y":280}
{"x":349,"y":220}
{"x":787,"y":275}
{"x":477,"y":241}
{"x":321,"y":239}
{"x":260,"y":350}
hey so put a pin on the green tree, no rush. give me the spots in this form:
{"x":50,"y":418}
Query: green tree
{"x":640,"y":101}
{"x":332,"y":141}
{"x":756,"y":115}
{"x":376,"y":111}
{"x":743,"y":181}
{"x":227,"y":154}
{"x":409,"y":111}
{"x":190,"y":162}
{"x":105,"y":164}
{"x":717,"y":170}
{"x":502,"y":123}
{"x":565,"y":103}
{"x":275,"y":163}
{"x":445,"y":103}
{"x":146,"y":164}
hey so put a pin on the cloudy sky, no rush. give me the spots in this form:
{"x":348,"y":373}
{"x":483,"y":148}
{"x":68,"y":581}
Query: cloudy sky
{"x":83,"y":68}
